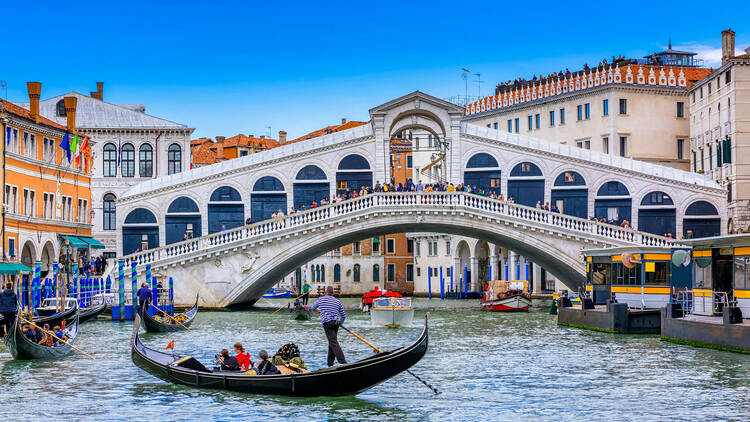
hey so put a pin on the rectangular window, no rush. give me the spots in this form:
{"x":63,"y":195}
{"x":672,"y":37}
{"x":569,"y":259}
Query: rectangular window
{"x":517,"y":125}
{"x":693,"y":96}
{"x":695,"y":163}
{"x":728,"y":77}
{"x":623,"y":146}
{"x":14,"y":144}
{"x":341,"y":184}
{"x":12,"y":247}
{"x":700,"y":92}
{"x":83,"y":205}
{"x":709,"y":88}
{"x":605,"y":145}
{"x":375,"y":246}
{"x":32,"y":146}
{"x":537,"y":121}
{"x":410,"y":246}
{"x":710,"y":158}
{"x":530,"y":123}
{"x":587,"y":110}
{"x":510,"y":125}
{"x":11,"y":198}
{"x":584,"y":144}
{"x":702,"y":158}
{"x":552,"y":117}
{"x":680,"y":146}
{"x":579,"y":110}
{"x":448,"y":247}
{"x":562,"y":116}
{"x":494,"y":125}
{"x":390,"y":246}
{"x":417,"y":249}
{"x":357,"y":248}
{"x":409,"y":272}
{"x":623,"y":106}
{"x":680,"y":109}
{"x":49,"y":205}
{"x":605,"y":107}
{"x":29,"y":197}
{"x":409,"y":161}
{"x":494,"y":182}
{"x":391,"y":272}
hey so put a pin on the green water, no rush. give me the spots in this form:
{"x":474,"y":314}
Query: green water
{"x":487,"y":365}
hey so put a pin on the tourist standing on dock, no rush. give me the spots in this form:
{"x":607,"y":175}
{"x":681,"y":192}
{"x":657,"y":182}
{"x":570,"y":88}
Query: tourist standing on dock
{"x":332,"y":316}
{"x":8,"y":307}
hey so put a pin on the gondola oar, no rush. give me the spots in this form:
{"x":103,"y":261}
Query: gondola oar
{"x":173,"y":318}
{"x":282,"y":306}
{"x":59,"y":339}
{"x":435,"y":390}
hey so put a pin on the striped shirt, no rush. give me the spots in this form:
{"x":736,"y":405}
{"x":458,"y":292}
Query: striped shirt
{"x":330,"y":309}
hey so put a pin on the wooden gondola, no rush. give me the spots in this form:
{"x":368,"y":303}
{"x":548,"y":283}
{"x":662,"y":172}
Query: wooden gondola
{"x":92,"y":312}
{"x":153,"y":326}
{"x":348,"y":379}
{"x":56,"y":319}
{"x":300,"y":313}
{"x":22,"y":348}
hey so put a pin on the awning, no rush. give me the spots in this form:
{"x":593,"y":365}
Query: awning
{"x":375,"y":240}
{"x":76,"y":242}
{"x":95,"y":244}
{"x":13,"y":268}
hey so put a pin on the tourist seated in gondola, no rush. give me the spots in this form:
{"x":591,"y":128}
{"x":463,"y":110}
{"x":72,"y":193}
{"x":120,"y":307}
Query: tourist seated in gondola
{"x":48,"y":340}
{"x":33,"y":333}
{"x":265,"y":367}
{"x":243,"y":358}
{"x":58,"y":332}
{"x":228,"y":363}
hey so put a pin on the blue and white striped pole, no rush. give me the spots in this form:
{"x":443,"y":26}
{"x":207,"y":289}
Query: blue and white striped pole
{"x":134,"y":282}
{"x":38,"y":281}
{"x":121,"y":287}
{"x":429,"y":282}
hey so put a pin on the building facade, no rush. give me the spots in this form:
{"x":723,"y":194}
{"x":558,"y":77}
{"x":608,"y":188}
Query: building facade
{"x":45,"y":196}
{"x":720,"y":131}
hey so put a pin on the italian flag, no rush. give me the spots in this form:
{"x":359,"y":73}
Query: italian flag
{"x":74,"y":149}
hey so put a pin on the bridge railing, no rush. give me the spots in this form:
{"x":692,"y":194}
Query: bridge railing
{"x":405,"y":201}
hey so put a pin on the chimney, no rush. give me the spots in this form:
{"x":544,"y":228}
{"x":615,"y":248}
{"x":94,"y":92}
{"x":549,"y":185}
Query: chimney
{"x":282,"y":137}
{"x":35,"y":90}
{"x":343,"y":120}
{"x":70,"y":110}
{"x":100,"y":91}
{"x":220,"y":147}
{"x":727,"y":45}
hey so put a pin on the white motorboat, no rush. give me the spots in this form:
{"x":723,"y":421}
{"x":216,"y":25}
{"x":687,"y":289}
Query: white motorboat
{"x":391,"y":311}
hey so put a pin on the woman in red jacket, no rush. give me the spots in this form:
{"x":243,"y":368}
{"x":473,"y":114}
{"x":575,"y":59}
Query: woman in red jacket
{"x":242,"y":357}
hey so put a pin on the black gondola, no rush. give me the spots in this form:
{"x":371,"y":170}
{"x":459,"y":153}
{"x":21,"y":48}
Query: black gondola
{"x":348,"y":379}
{"x":22,"y":348}
{"x":92,"y":312}
{"x":300,"y":313}
{"x":68,"y":315}
{"x":153,"y":326}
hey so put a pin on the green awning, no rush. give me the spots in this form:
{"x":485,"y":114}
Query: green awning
{"x":13,"y":268}
{"x":95,"y":244}
{"x":76,"y":242}
{"x":375,"y":240}
{"x":703,"y":261}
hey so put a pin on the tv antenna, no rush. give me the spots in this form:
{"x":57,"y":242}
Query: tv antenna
{"x":465,"y":77}
{"x":269,"y":131}
{"x":4,"y":85}
{"x":479,"y":84}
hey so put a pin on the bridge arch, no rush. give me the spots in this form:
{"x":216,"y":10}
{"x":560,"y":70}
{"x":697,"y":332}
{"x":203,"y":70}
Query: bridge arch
{"x":225,"y":209}
{"x":570,"y":194}
{"x":353,"y":172}
{"x":310,"y":184}
{"x":483,"y":171}
{"x":526,"y":183}
{"x":417,"y":122}
{"x":183,"y":220}
{"x":268,"y":196}
{"x":701,"y":219}
{"x":415,"y":116}
{"x":140,"y":231}
{"x":613,"y":201}
{"x":657,"y":213}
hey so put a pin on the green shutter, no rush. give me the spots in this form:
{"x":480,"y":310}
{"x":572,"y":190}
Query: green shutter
{"x":727,"y":150}
{"x":718,"y":154}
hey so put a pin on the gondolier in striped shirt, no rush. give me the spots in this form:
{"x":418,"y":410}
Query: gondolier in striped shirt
{"x":332,"y":316}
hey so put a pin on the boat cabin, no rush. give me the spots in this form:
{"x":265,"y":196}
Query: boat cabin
{"x":391,"y":303}
{"x":641,"y":277}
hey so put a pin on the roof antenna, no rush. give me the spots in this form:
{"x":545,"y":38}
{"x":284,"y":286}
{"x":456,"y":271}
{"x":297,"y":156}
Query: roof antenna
{"x":670,"y":44}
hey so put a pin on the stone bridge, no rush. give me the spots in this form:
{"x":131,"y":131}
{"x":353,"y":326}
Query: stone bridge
{"x":235,"y":267}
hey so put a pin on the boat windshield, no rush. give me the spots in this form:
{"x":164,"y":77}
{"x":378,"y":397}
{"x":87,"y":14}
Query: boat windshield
{"x":387,"y":302}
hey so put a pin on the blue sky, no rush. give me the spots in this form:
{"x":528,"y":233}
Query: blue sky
{"x":226,"y":68}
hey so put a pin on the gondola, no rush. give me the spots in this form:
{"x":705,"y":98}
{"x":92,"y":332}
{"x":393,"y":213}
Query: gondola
{"x":348,"y":379}
{"x":56,"y":319}
{"x":153,"y":326}
{"x":22,"y":349}
{"x":92,"y":312}
{"x":301,"y":313}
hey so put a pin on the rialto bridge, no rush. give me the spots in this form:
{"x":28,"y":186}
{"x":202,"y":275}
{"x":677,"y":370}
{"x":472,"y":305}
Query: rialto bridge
{"x":230,"y":262}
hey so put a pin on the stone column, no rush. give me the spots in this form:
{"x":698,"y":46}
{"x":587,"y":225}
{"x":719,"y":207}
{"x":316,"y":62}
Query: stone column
{"x":458,"y":272}
{"x":495,"y":267}
{"x":537,"y":279}
{"x":512,"y":262}
{"x":474,"y":273}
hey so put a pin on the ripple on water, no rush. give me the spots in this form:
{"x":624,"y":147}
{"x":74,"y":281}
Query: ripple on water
{"x":488,"y":365}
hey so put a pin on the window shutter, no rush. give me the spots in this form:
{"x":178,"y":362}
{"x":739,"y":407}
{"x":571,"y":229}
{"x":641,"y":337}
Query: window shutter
{"x":727,"y":150}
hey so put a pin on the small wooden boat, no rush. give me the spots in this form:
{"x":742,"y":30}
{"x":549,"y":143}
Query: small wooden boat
{"x":22,"y":348}
{"x":92,"y":312}
{"x":347,"y":379}
{"x":68,"y":315}
{"x":300,"y":313}
{"x":153,"y":325}
{"x":391,"y":311}
{"x":277,"y":294}
{"x":506,"y":296}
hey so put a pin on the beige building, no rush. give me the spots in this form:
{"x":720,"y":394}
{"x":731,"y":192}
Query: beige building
{"x":720,"y":130}
{"x":631,"y":108}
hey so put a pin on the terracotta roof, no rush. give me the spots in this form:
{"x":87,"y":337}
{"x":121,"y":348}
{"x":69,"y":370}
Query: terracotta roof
{"x":199,"y":141}
{"x":202,"y":154}
{"x":249,"y":141}
{"x":19,"y":111}
{"x":326,"y":130}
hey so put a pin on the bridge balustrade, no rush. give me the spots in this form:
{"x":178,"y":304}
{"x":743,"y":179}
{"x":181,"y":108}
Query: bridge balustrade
{"x":439,"y":201}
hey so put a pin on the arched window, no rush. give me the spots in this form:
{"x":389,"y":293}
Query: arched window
{"x":110,"y":160}
{"x":376,"y":273}
{"x":128,"y":161}
{"x":109,"y":212}
{"x":60,"y":106}
{"x":356,"y":272}
{"x":481,"y":160}
{"x":146,"y":160}
{"x":323,"y":273}
{"x":174,"y":159}
{"x":316,"y":278}
{"x":337,"y":273}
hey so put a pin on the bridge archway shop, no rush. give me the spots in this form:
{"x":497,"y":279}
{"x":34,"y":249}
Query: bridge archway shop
{"x":225,"y":209}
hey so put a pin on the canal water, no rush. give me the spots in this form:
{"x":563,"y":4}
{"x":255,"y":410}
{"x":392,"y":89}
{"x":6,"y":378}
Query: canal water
{"x":487,"y":365}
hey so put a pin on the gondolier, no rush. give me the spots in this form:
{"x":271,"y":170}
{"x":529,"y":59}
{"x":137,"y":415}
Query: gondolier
{"x":306,"y":292}
{"x":332,"y":316}
{"x":8,"y":307}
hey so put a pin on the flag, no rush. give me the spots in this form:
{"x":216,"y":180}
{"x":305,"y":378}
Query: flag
{"x":86,"y":151}
{"x":170,"y":345}
{"x":65,"y":145}
{"x":118,"y":153}
{"x":75,"y":148}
